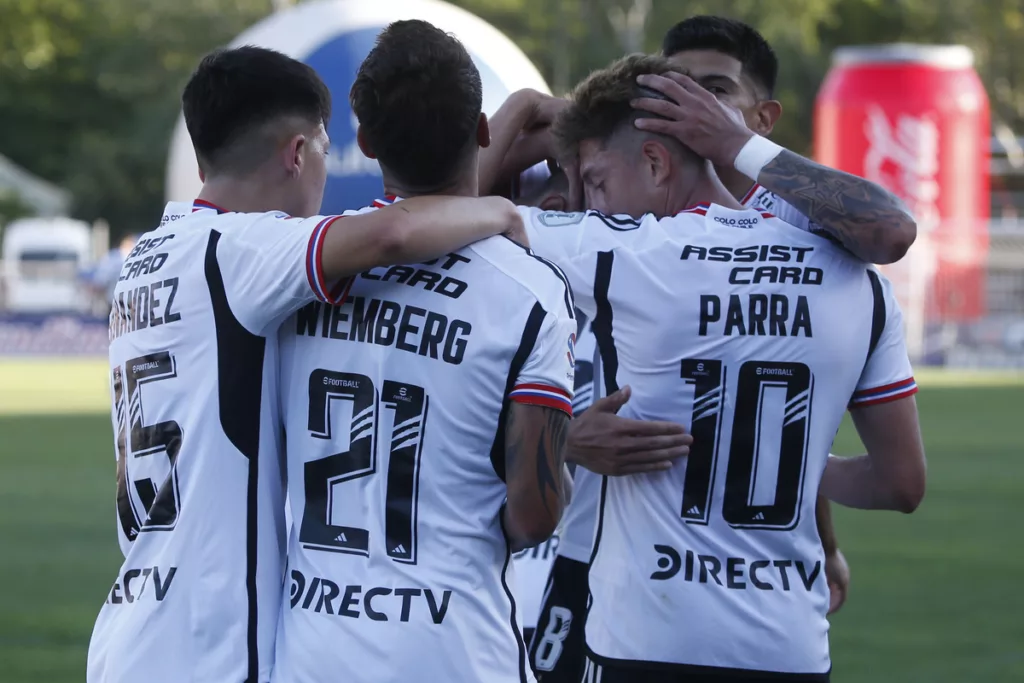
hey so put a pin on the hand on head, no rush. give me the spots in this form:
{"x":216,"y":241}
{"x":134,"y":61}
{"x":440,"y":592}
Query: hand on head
{"x":693,"y":116}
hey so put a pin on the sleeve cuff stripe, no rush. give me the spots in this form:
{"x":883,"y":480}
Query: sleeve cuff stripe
{"x":885,"y":389}
{"x":883,"y":398}
{"x":314,"y":260}
{"x":544,"y":388}
{"x":340,"y":291}
{"x":545,"y":400}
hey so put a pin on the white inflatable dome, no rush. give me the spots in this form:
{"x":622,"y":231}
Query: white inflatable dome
{"x":334,"y":36}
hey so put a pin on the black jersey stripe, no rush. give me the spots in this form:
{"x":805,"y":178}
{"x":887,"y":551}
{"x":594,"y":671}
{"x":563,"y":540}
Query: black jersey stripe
{"x":531,"y":331}
{"x":619,"y":223}
{"x":570,"y":301}
{"x":878,"y":312}
{"x":240,"y":356}
{"x":513,"y":621}
{"x":602,"y":325}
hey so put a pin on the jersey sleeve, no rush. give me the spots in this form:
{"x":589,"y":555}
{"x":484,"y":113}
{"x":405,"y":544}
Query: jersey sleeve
{"x":887,"y":374}
{"x":272,"y":266}
{"x":546,"y":378}
{"x":784,"y":211}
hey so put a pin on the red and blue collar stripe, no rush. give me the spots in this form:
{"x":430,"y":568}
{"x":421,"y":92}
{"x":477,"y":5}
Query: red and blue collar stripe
{"x":388,"y":200}
{"x":201,"y":204}
{"x":699,"y":209}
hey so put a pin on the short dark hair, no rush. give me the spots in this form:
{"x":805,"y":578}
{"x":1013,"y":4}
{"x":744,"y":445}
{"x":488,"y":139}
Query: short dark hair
{"x":418,"y":98}
{"x":600,"y":105}
{"x":730,"y":37}
{"x":234,"y":92}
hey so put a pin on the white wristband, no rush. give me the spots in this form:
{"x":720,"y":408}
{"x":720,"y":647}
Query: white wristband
{"x":755,"y":155}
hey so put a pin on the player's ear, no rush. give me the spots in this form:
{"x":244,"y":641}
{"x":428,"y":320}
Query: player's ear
{"x":765,"y":116}
{"x":364,"y":146}
{"x":292,"y":154}
{"x":658,"y":162}
{"x":483,"y":131}
{"x":555,"y":201}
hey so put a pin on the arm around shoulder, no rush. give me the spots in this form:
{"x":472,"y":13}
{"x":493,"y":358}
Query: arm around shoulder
{"x":414,"y":230}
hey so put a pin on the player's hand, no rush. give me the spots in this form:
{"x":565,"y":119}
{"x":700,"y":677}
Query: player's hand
{"x":694,"y":116}
{"x":543,"y":109}
{"x":521,"y":133}
{"x":531,"y":147}
{"x":837,"y":572}
{"x":515,"y":229}
{"x":611,"y":445}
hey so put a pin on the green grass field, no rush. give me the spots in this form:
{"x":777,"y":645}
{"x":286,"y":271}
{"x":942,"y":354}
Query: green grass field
{"x":936,"y":597}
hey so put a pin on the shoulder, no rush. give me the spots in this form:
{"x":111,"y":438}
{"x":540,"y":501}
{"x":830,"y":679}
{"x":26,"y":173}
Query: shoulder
{"x":801,"y":233}
{"x":545,"y":281}
{"x":587,"y":219}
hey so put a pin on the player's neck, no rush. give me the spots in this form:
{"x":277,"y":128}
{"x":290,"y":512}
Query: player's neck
{"x":466,"y":186}
{"x":241,"y":195}
{"x":703,"y":187}
{"x":735,"y":182}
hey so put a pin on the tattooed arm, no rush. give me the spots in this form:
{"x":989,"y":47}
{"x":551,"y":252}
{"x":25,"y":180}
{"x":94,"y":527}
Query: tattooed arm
{"x":534,"y":473}
{"x":867,"y":219}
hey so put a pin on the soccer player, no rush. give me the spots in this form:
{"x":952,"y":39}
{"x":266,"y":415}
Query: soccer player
{"x":758,"y":336}
{"x":537,"y":186}
{"x":732,"y":61}
{"x":193,"y":352}
{"x":597,"y":436}
{"x":426,"y":417}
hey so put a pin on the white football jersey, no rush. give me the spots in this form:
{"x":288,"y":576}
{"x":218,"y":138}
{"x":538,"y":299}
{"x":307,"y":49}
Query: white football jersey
{"x":193,"y":357}
{"x":576,"y":532}
{"x":576,"y":539}
{"x":394,"y":407}
{"x":763,"y":199}
{"x":533,"y":565}
{"x":756,"y":336}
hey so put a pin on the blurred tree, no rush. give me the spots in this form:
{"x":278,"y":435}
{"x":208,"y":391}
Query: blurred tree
{"x":90,"y":92}
{"x":89,"y":88}
{"x":12,"y":207}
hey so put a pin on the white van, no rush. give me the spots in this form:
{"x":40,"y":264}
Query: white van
{"x":41,"y":262}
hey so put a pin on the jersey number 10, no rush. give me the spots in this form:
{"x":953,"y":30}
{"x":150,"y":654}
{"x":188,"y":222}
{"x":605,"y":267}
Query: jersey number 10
{"x":771,"y":421}
{"x":322,"y":476}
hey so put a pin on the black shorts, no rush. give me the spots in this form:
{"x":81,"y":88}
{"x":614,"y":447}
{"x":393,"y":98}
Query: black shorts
{"x":610,"y":673}
{"x":557,"y":649}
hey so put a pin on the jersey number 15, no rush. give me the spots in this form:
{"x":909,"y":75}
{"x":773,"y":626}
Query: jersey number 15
{"x":142,"y":504}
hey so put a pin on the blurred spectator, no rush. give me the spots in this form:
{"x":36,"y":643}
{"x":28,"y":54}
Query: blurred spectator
{"x":102,"y":277}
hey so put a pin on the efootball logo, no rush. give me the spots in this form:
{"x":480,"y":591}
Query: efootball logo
{"x":572,"y":349}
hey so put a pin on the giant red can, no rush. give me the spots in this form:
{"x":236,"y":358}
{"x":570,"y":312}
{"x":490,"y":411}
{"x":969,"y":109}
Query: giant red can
{"x":915,"y":119}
